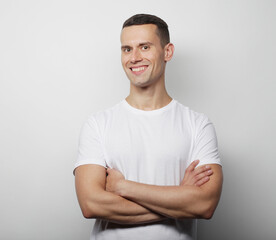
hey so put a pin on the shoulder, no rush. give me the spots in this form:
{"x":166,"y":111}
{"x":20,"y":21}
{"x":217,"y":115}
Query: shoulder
{"x":194,"y":117}
{"x":106,"y":113}
{"x":101,"y":118}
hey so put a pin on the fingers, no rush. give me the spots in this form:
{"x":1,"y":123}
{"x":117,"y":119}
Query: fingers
{"x":202,"y":181}
{"x":196,"y":176}
{"x":202,"y":169}
{"x":192,"y":166}
{"x":203,"y":175}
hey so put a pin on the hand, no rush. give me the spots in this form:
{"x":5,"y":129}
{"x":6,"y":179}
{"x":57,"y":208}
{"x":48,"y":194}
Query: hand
{"x":196,"y":176}
{"x":113,"y":180}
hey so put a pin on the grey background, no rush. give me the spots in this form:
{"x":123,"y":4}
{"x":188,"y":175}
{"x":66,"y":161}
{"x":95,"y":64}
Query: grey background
{"x":60,"y":61}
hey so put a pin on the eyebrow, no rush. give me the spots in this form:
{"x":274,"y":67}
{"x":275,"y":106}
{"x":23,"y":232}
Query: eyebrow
{"x":140,"y":44}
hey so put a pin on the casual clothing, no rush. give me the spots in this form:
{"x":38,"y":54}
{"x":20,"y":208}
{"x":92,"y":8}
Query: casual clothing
{"x":153,"y":147}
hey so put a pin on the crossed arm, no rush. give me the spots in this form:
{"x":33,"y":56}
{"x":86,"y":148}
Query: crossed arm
{"x":96,"y":202}
{"x":118,"y":200}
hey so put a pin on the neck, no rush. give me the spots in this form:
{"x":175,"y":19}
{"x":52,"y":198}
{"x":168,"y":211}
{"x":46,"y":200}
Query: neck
{"x":150,"y":97}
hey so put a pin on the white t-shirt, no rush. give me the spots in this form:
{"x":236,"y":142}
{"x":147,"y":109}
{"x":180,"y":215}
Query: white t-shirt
{"x":153,"y":147}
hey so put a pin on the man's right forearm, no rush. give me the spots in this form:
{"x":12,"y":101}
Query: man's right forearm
{"x":117,"y":209}
{"x":96,"y":202}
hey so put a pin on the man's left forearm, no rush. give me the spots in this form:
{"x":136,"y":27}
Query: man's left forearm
{"x":176,"y":201}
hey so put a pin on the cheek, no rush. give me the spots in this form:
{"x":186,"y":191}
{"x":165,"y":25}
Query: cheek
{"x":155,"y":57}
{"x":125,"y":62}
{"x":123,"y":58}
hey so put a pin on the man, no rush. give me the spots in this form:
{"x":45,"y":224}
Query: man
{"x":149,"y":166}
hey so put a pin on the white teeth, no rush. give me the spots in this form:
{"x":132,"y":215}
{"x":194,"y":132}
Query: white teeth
{"x":138,"y":69}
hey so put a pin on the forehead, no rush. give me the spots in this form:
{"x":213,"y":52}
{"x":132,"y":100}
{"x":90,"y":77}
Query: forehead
{"x":139,"y":33}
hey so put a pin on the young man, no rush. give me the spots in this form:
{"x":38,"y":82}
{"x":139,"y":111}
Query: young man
{"x":149,"y":166}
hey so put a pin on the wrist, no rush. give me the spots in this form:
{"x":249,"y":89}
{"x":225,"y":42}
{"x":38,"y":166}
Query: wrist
{"x":122,"y":186}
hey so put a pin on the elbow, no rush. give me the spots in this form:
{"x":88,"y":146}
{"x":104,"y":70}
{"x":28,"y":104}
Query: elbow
{"x":89,"y":211}
{"x":87,"y":214}
{"x":208,"y":212}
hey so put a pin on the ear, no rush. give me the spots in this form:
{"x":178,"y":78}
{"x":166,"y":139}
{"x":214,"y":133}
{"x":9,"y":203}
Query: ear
{"x":169,"y":49}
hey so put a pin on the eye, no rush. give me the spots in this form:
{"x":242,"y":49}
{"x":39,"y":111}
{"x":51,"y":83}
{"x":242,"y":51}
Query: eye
{"x":145,"y":47}
{"x":126,"y":50}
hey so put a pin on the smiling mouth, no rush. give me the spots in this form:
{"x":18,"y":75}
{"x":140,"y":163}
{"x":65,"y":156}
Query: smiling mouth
{"x":138,"y":70}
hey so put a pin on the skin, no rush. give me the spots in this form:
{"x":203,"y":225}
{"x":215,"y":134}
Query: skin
{"x":195,"y":199}
{"x":98,"y":200}
{"x":112,"y":197}
{"x":141,"y":47}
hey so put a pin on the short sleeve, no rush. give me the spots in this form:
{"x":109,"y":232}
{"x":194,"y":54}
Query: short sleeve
{"x":206,"y":145}
{"x":90,"y":147}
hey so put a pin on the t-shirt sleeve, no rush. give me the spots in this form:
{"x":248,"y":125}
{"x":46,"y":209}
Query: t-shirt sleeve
{"x":206,"y":145}
{"x":90,"y":147}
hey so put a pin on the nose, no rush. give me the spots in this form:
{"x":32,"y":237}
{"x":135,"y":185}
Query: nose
{"x":135,"y":56}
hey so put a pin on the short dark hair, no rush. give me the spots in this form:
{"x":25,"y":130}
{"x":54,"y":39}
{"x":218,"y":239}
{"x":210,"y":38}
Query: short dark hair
{"x":162,"y":27}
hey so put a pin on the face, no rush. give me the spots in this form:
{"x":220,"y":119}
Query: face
{"x":143,"y":58}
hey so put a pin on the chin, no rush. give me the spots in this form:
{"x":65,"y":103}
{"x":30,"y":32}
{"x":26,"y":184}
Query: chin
{"x":140,"y":84}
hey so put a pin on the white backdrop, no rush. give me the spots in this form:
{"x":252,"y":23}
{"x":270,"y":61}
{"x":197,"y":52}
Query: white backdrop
{"x":60,"y":61}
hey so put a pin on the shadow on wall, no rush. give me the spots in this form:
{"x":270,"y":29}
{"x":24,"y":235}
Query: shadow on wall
{"x":230,"y":220}
{"x":185,"y":78}
{"x":177,"y":76}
